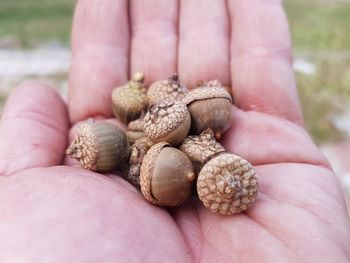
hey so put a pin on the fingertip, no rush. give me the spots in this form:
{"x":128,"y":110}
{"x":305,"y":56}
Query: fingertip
{"x":30,"y":92}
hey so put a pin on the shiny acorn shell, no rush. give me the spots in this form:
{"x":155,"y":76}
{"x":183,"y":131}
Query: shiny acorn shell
{"x":227,"y":184}
{"x":100,"y":146}
{"x":166,"y":175}
{"x":210,"y":107}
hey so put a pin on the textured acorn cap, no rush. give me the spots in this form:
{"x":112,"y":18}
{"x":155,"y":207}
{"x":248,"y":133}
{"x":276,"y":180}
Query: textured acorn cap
{"x":170,"y":89}
{"x":206,"y":93}
{"x":130,"y":100}
{"x":199,"y":148}
{"x":136,"y":125}
{"x":166,"y":175}
{"x":134,"y":135}
{"x":100,"y":146}
{"x":227,"y":184}
{"x":168,"y":122}
{"x":138,"y":150}
{"x":147,"y":170}
{"x":213,"y":83}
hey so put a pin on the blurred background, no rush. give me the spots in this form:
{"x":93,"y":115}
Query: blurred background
{"x":34,"y":43}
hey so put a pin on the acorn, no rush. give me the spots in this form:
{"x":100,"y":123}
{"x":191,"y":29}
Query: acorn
{"x":138,"y":151}
{"x":200,"y":148}
{"x":210,"y":107}
{"x":100,"y":147}
{"x":169,"y":122}
{"x":130,"y":100}
{"x":166,"y":175}
{"x":227,"y":184}
{"x":170,"y":89}
{"x":136,"y":125}
{"x":133,"y":136}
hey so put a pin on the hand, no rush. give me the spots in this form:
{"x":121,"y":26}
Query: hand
{"x":55,"y":213}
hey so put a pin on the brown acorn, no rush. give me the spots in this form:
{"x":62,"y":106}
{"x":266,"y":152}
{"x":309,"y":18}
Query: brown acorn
{"x":200,"y":148}
{"x":130,"y":100}
{"x":210,"y":107}
{"x":138,"y":150}
{"x":227,"y":184}
{"x":166,"y":175}
{"x":170,"y":89}
{"x":136,"y":125}
{"x":133,"y":136}
{"x":100,"y":147}
{"x":169,"y":122}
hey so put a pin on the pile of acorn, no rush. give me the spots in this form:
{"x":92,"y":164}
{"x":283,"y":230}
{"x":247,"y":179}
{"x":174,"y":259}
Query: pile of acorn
{"x":171,"y":145}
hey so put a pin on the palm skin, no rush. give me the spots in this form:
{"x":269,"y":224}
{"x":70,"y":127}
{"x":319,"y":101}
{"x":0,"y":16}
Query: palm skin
{"x":55,"y":213}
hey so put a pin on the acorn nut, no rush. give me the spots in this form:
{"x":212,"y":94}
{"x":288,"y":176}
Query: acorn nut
{"x":138,"y":151}
{"x":200,"y":148}
{"x":100,"y":147}
{"x":210,"y":107}
{"x":227,"y":184}
{"x":166,"y":175}
{"x":166,"y":90}
{"x":133,"y":136}
{"x":169,"y":122}
{"x":136,"y":125}
{"x":130,"y":100}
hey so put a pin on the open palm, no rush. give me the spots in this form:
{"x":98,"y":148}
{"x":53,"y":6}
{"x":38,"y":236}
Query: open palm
{"x":55,"y":213}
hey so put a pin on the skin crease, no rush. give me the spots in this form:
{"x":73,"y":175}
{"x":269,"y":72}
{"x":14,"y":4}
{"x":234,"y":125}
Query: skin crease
{"x":55,"y":213}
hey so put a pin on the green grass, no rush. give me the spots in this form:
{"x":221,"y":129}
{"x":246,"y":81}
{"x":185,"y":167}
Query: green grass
{"x":320,"y":30}
{"x":319,"y":25}
{"x":31,"y":22}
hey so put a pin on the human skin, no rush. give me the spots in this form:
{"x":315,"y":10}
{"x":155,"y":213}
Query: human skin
{"x":51,"y":211}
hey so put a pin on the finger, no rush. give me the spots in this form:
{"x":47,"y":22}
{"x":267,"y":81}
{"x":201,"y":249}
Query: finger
{"x":63,"y":214}
{"x":100,"y":41}
{"x":261,"y":68}
{"x":154,"y":38}
{"x":263,"y":139}
{"x":33,"y":129}
{"x":204,"y":42}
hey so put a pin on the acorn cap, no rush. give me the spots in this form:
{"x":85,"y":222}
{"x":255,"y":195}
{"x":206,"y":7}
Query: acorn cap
{"x":211,"y":83}
{"x":134,"y":135}
{"x":100,"y":146}
{"x":227,"y":184}
{"x":136,"y":125}
{"x":166,"y":175}
{"x":168,"y":122}
{"x":137,"y":152}
{"x":206,"y":93}
{"x":170,"y":89}
{"x":199,"y":148}
{"x":130,"y":100}
{"x":84,"y":147}
{"x":146,"y":172}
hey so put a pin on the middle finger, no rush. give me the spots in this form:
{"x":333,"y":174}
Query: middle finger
{"x":154,"y":38}
{"x":204,"y":42}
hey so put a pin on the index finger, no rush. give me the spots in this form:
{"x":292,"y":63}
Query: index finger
{"x":100,"y":46}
